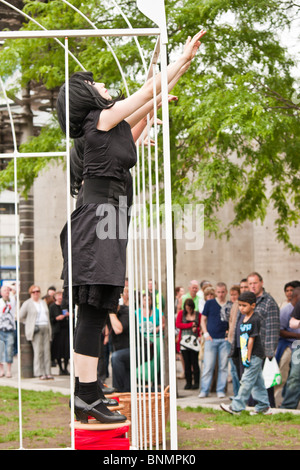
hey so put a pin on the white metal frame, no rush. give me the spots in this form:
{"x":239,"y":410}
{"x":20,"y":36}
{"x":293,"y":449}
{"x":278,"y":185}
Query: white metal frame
{"x":135,"y":248}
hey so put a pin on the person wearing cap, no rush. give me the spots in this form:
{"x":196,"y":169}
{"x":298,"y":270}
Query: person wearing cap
{"x":252,"y":355}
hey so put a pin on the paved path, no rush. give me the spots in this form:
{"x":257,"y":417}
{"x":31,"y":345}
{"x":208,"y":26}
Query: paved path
{"x":185,"y":398}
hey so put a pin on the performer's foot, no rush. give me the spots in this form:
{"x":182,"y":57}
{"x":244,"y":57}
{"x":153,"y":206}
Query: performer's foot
{"x":97,"y":410}
{"x":109,"y":402}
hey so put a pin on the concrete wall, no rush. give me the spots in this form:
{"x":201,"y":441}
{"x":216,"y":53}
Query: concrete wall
{"x":252,"y":247}
{"x":50,"y":215}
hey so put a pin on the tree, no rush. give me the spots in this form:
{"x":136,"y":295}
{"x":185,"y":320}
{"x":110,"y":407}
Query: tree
{"x":241,"y":104}
{"x":235,"y":128}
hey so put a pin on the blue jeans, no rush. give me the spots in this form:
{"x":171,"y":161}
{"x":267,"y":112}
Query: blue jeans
{"x":235,"y":378}
{"x":292,"y":386}
{"x":217,"y":348}
{"x":120,"y":362}
{"x":7,"y":346}
{"x":252,"y":383}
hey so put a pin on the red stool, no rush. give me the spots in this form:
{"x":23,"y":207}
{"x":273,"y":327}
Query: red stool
{"x":98,"y":436}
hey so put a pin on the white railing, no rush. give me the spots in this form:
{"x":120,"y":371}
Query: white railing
{"x":144,"y":251}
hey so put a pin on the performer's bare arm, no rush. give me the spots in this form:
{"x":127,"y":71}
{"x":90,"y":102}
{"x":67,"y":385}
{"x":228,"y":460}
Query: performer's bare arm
{"x":132,"y":108}
{"x":138,"y":129}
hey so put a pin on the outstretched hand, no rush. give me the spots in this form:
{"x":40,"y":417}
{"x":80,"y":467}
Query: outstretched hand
{"x":192,"y":45}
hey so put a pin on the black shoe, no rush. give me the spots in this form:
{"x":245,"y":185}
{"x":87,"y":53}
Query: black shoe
{"x":187,"y":387}
{"x":97,"y":410}
{"x":195,"y":387}
{"x":106,"y":402}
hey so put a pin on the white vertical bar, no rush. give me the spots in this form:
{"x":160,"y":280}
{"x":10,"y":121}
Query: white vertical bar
{"x":169,"y":249}
{"x":18,"y":298}
{"x":147,"y":308}
{"x":17,"y":260}
{"x":153,"y":273}
{"x":139,"y":302}
{"x":161,"y":333}
{"x":134,"y":358}
{"x":69,"y":240}
{"x":132,"y":327}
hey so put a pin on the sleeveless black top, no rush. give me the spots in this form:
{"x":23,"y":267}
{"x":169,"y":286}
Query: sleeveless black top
{"x":107,"y":153}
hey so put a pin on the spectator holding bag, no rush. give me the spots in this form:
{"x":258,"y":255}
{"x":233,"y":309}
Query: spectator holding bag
{"x":268,"y":311}
{"x":252,"y":356}
{"x":188,"y":322}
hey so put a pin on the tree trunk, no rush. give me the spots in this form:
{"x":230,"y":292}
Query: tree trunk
{"x":26,"y":215}
{"x":26,"y":275}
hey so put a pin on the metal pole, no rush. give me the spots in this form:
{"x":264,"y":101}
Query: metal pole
{"x":17,"y":154}
{"x":169,"y":248}
{"x":69,"y":241}
{"x":71,"y":33}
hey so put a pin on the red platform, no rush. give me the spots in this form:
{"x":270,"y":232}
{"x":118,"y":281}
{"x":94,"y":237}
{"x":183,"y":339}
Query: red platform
{"x":98,"y":436}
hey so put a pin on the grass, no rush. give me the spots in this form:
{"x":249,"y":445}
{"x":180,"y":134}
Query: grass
{"x":35,"y":402}
{"x":36,"y":434}
{"x":9,"y":397}
{"x":35,"y":407}
{"x":244,"y":419}
{"x":212,"y":429}
{"x":201,"y":430}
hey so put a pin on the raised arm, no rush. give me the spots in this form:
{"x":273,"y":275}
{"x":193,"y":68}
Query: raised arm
{"x":138,"y":129}
{"x":121,"y":110}
{"x":147,"y":108}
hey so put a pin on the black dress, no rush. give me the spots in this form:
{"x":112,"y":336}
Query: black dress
{"x":100,"y":225}
{"x":60,"y":345}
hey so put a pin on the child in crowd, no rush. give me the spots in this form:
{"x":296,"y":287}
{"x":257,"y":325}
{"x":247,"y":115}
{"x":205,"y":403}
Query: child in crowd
{"x":252,"y":354}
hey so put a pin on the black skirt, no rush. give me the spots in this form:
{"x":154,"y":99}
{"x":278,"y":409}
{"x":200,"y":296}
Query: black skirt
{"x":99,"y":235}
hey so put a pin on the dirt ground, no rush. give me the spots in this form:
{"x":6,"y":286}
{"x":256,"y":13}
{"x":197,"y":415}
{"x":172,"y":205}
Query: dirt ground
{"x":198,"y":431}
{"x":50,"y":429}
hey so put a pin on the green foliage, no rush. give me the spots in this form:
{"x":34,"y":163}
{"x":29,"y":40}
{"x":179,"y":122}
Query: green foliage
{"x":235,"y":128}
{"x":50,"y":140}
{"x":241,"y":128}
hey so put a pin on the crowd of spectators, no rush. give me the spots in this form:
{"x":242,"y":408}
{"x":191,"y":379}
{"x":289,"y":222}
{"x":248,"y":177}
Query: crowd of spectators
{"x":207,"y":324}
{"x":219,"y":355}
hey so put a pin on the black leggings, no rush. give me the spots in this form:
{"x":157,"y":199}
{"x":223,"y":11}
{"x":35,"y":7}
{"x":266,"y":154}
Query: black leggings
{"x":90,"y":323}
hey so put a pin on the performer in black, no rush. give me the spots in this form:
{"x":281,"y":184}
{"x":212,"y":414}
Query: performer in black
{"x":106,"y":129}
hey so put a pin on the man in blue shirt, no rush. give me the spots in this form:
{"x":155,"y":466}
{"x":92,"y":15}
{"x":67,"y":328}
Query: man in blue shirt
{"x":216,"y":345}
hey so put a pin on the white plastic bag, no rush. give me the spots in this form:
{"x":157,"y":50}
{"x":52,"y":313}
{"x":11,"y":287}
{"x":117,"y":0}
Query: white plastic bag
{"x":271,"y":373}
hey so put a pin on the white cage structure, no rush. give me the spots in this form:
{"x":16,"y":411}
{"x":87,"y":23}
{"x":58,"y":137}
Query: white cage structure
{"x":144,"y":252}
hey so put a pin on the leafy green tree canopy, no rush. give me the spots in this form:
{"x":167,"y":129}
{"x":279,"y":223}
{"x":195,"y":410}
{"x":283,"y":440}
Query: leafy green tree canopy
{"x":235,"y":128}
